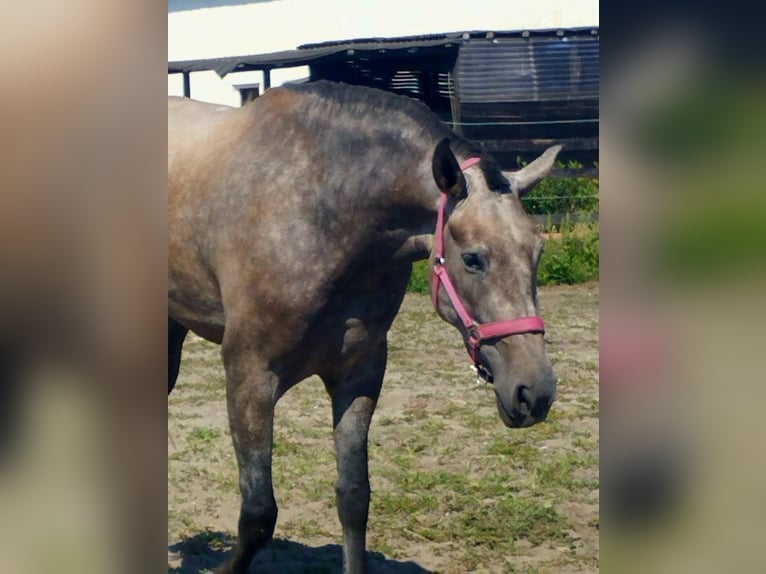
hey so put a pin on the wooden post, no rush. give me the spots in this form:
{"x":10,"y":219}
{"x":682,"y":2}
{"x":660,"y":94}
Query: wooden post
{"x":266,"y":78}
{"x":187,"y":84}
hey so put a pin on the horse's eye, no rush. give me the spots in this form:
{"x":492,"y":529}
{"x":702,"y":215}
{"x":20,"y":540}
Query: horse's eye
{"x":474,"y":262}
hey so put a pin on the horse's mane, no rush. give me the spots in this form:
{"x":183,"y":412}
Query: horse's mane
{"x":386,"y":103}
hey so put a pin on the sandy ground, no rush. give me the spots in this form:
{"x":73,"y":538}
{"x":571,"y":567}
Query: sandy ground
{"x":453,"y":489}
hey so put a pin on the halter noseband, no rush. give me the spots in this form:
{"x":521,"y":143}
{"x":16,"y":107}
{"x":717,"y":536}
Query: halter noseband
{"x":477,"y":332}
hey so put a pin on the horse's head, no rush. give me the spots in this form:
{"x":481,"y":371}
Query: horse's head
{"x":491,"y":249}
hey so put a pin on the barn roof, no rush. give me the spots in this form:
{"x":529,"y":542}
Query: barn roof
{"x":377,"y":47}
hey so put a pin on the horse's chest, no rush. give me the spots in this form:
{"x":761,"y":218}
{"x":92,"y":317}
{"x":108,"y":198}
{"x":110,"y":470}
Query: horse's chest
{"x":359,"y":321}
{"x":358,"y":318}
{"x":357,"y":334}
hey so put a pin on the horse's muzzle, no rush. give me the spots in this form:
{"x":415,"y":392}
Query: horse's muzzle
{"x":526,"y":405}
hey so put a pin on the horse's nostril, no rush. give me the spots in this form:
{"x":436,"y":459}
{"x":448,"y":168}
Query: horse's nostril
{"x":524,"y":397}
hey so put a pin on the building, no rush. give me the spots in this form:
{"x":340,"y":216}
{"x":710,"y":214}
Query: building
{"x":515,"y":77}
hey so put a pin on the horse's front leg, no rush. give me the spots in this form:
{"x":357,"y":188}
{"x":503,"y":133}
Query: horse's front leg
{"x":251,"y":397}
{"x":354,"y":392}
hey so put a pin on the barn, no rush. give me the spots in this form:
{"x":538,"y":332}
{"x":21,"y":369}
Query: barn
{"x":515,"y":79}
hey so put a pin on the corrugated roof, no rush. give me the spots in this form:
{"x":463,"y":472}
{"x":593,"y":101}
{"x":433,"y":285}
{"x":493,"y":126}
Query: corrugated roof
{"x":223,"y":66}
{"x":308,"y":53}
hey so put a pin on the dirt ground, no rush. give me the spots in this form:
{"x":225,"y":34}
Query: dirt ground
{"x":453,"y":490}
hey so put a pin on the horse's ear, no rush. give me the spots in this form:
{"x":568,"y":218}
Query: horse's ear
{"x":448,"y":176}
{"x":530,"y":175}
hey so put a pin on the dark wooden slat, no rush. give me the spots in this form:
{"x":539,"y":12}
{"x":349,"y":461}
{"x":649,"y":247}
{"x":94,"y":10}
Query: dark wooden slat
{"x":564,"y":172}
{"x":570,"y":144}
{"x":558,"y":218}
{"x":569,"y":107}
{"x":591,"y":172}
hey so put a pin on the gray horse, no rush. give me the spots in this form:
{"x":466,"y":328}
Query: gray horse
{"x":293,"y":225}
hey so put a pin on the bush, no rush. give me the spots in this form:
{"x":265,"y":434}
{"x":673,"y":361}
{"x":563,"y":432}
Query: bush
{"x":572,"y":257}
{"x":419,"y":280}
{"x":563,"y":194}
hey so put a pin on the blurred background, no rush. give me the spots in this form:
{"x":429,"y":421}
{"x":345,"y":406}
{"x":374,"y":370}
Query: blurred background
{"x":82,"y":288}
{"x":682,"y":260}
{"x":682,"y":141}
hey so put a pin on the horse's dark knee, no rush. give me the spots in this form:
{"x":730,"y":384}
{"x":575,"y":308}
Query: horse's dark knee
{"x":257,"y":521}
{"x":353,"y":498}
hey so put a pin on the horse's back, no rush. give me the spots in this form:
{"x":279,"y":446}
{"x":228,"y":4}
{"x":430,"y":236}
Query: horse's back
{"x":191,"y":124}
{"x":184,"y":113}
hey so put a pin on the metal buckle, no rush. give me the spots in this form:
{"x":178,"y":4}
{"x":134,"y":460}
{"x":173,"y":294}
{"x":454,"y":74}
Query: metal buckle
{"x":484,"y":373}
{"x":474,"y":339}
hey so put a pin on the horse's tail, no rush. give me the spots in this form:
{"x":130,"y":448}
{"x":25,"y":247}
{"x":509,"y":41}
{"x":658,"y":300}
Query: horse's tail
{"x":176,"y":335}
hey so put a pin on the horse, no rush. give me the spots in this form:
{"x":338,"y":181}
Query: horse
{"x":293,"y":224}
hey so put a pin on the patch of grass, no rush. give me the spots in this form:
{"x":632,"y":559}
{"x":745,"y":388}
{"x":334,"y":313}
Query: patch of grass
{"x":397,"y":460}
{"x":585,"y":443}
{"x":449,"y":507}
{"x":416,"y":411}
{"x":516,"y":451}
{"x":548,"y":429}
{"x":559,"y":472}
{"x":223,"y":479}
{"x":304,"y":529}
{"x":420,"y":278}
{"x":207,"y":539}
{"x":202,"y":439}
{"x":475,"y":420}
{"x":284,"y":445}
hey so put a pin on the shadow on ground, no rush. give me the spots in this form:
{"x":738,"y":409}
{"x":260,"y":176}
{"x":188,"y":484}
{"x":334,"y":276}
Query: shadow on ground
{"x":208,"y":549}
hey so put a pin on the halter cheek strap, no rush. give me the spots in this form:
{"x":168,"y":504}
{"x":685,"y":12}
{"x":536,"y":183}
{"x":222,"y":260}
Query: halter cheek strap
{"x":477,"y":332}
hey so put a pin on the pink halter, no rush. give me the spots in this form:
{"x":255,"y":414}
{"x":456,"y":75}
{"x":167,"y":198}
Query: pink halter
{"x":477,"y":332}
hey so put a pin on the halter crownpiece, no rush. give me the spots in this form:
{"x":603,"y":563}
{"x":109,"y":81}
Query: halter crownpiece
{"x":477,"y":332}
{"x":471,"y":161}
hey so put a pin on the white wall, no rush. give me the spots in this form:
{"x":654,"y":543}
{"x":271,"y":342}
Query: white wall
{"x":235,"y":28}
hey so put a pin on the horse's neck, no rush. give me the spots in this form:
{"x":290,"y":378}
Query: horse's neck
{"x":412,"y":212}
{"x":392,"y":203}
{"x":415,"y":248}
